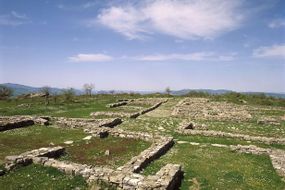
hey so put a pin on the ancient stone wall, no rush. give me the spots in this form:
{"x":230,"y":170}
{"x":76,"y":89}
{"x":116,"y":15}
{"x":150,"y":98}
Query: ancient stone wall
{"x":150,"y":101}
{"x":169,"y":177}
{"x":204,"y":109}
{"x":27,"y":157}
{"x":211,"y":133}
{"x":12,"y":122}
{"x":157,"y":149}
{"x":117,"y":104}
{"x":129,"y":115}
{"x":86,"y":123}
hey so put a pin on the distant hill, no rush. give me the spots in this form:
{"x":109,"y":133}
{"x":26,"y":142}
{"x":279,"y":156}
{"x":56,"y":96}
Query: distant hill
{"x":223,"y":91}
{"x":19,"y":89}
{"x":272,"y":94}
{"x":209,"y":91}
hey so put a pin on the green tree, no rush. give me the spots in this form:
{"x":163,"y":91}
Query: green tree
{"x":167,"y":90}
{"x":5,"y":92}
{"x":69,"y":94}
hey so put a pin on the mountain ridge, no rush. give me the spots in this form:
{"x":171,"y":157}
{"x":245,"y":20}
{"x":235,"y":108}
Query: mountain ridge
{"x":19,"y":89}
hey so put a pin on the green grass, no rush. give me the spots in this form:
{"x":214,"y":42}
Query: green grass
{"x":219,"y":168}
{"x":93,"y":152}
{"x":205,"y":167}
{"x":222,"y":140}
{"x":250,"y":128}
{"x":238,"y":98}
{"x":17,"y":141}
{"x":34,"y":177}
{"x":80,"y":106}
{"x":165,"y":125}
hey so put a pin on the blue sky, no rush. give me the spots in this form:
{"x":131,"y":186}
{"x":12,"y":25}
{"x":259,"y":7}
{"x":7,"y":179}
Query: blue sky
{"x":144,"y":45}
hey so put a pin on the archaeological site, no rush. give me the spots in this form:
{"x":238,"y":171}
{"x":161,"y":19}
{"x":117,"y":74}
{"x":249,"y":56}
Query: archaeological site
{"x":142,"y":94}
{"x":144,"y":142}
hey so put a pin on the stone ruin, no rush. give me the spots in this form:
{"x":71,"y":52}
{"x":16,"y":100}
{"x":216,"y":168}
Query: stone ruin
{"x":191,"y":125}
{"x":122,"y":103}
{"x":128,"y":176}
{"x":204,"y":109}
{"x":269,"y":120}
{"x":129,"y":115}
{"x":86,"y":123}
{"x":186,"y":130}
{"x":125,"y":177}
{"x":114,"y":114}
{"x":12,"y":122}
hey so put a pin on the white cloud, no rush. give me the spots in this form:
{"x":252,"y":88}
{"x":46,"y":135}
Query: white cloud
{"x":90,"y":58}
{"x":182,"y":19}
{"x":277,"y":51}
{"x":278,"y":23}
{"x":19,"y":16}
{"x":127,"y":21}
{"x":89,"y":4}
{"x":78,"y":7}
{"x":13,"y":19}
{"x":197,"y":56}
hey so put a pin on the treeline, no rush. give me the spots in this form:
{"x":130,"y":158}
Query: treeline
{"x":241,"y":98}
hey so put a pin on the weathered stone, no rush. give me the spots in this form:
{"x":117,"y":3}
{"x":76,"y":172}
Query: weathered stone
{"x":2,"y":172}
{"x":204,"y":109}
{"x":267,"y":140}
{"x":8,"y":124}
{"x":87,"y":124}
{"x":87,"y":138}
{"x":68,"y":142}
{"x":122,"y":103}
{"x":12,"y":122}
{"x":107,"y":153}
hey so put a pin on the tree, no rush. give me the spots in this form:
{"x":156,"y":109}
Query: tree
{"x":88,"y":88}
{"x":69,"y":94}
{"x":54,"y":95}
{"x":46,"y":91}
{"x":112,"y":92}
{"x":5,"y":92}
{"x":167,"y":90}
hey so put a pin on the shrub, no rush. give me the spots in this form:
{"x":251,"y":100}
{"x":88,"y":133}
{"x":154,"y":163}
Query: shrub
{"x":69,"y":94}
{"x":5,"y":92}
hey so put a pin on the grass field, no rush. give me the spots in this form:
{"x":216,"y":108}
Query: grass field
{"x":93,"y":152}
{"x":34,"y":177}
{"x":219,"y":168}
{"x":205,"y":166}
{"x":17,"y":141}
{"x":79,"y":106}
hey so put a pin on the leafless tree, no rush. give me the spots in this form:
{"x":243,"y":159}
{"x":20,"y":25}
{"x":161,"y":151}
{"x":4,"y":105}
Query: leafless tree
{"x":88,"y":88}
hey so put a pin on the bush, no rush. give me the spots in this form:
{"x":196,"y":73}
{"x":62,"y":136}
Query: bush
{"x":197,"y":94}
{"x":69,"y":95}
{"x":5,"y":92}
